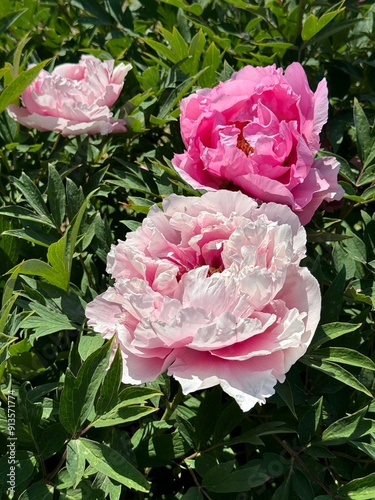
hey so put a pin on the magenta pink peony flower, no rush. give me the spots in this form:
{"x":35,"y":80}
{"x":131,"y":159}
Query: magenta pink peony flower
{"x":211,"y":290}
{"x":259,"y":132}
{"x":74,"y":99}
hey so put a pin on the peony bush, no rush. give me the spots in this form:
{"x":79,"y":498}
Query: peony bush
{"x":211,"y":290}
{"x":187,"y":305}
{"x":74,"y":99}
{"x":259,"y":132}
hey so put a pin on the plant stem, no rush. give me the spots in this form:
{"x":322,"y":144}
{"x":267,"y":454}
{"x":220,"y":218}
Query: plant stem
{"x":296,"y":457}
{"x":88,"y":274}
{"x":204,"y":493}
{"x":171,"y":407}
{"x":58,"y":466}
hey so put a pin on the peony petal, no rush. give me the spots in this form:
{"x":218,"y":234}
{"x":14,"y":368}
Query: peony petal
{"x":321,"y":185}
{"x":249,"y":382}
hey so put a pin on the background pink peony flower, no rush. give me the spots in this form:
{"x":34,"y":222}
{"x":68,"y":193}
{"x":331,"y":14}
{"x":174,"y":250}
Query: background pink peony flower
{"x":211,"y":289}
{"x":74,"y":99}
{"x":259,"y":132}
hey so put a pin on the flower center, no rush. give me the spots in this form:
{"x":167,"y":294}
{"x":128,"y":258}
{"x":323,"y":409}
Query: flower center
{"x":213,"y":270}
{"x":244,"y":145}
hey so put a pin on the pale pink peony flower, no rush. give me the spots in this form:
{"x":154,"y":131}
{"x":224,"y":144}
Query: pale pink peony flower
{"x":259,"y":132}
{"x":74,"y":99}
{"x":211,"y":290}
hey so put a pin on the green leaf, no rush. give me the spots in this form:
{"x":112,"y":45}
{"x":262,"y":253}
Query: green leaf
{"x":362,"y":128}
{"x":45,"y":321}
{"x":5,"y":311}
{"x":32,"y":195}
{"x":346,"y":356}
{"x":132,"y":182}
{"x":32,"y":236}
{"x":155,"y":447}
{"x":75,"y":226}
{"x":319,"y":452}
{"x":57,"y":258}
{"x":348,"y":428}
{"x":359,"y":489}
{"x":18,"y":53}
{"x":222,"y":478}
{"x":193,"y":493}
{"x":52,"y":439}
{"x":313,"y":25}
{"x":36,"y":267}
{"x":301,"y":484}
{"x":177,"y":94}
{"x":367,"y":175}
{"x":56,"y":196}
{"x":109,"y":390}
{"x":227,"y":420}
{"x":9,"y":286}
{"x":12,"y":92}
{"x":78,"y":395}
{"x":310,"y":27}
{"x":332,"y":299}
{"x":178,"y":45}
{"x":42,"y":390}
{"x":88,"y":343}
{"x":346,"y":170}
{"x":205,"y":421}
{"x":74,"y":198}
{"x":75,"y":461}
{"x":241,"y":4}
{"x":122,"y":413}
{"x":332,"y":29}
{"x":150,"y":78}
{"x":335,"y":371}
{"x":211,"y":62}
{"x":285,"y":392}
{"x":31,"y":414}
{"x":106,"y":460}
{"x":194,"y":8}
{"x":253,"y":436}
{"x":186,"y":431}
{"x":369,"y":449}
{"x":137,"y":395}
{"x":283,"y":491}
{"x":7,"y":21}
{"x":195,"y":51}
{"x":331,"y":331}
{"x":5,"y":342}
{"x":131,"y":224}
{"x":370,"y":160}
{"x":25,"y":214}
{"x":355,"y":247}
{"x":161,"y":49}
{"x":111,"y":489}
{"x":98,"y":13}
{"x":38,"y":491}
{"x":4,"y":71}
{"x":310,"y":421}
